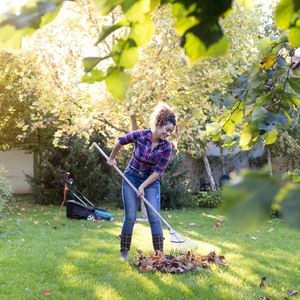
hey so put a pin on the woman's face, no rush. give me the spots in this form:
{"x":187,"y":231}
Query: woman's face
{"x":164,"y":131}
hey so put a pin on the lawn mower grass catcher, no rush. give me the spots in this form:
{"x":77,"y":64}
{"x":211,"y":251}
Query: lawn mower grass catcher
{"x":80,"y":207}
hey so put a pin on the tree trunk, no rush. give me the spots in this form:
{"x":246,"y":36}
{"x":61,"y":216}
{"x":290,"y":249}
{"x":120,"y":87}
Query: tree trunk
{"x":270,"y":161}
{"x":222,"y":161}
{"x":209,"y":173}
{"x":144,"y":216}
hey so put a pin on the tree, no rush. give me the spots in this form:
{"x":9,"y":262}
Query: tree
{"x":16,"y":98}
{"x":201,"y":35}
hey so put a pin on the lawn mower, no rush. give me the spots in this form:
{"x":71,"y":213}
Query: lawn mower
{"x":80,"y":207}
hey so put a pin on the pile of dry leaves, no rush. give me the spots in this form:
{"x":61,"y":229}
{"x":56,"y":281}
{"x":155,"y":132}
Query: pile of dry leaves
{"x":183,"y":262}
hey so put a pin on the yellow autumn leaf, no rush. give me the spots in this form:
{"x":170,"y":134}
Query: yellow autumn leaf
{"x":268,"y":62}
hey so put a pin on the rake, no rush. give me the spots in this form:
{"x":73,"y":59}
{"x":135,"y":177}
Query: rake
{"x":174,"y":236}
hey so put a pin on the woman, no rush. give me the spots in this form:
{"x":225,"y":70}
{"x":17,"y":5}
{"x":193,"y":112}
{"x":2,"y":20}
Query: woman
{"x":150,"y":157}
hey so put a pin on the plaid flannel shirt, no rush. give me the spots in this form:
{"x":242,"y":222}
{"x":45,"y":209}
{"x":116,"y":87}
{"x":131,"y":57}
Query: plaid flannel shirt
{"x":144,"y":160}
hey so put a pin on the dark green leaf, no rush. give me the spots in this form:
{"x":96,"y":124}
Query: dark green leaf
{"x":291,"y":205}
{"x":295,"y":84}
{"x":90,"y":62}
{"x":107,"y":30}
{"x":106,"y":6}
{"x":248,"y":200}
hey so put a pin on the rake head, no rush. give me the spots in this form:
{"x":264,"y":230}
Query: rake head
{"x":175,"y":237}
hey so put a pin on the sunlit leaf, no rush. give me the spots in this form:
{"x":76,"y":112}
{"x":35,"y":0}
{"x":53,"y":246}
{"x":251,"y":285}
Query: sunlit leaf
{"x":237,"y":116}
{"x":213,"y":129}
{"x":93,"y":76}
{"x":184,"y":17}
{"x":11,"y":38}
{"x":143,"y":31}
{"x":271,"y":137}
{"x":136,"y":10}
{"x":129,"y":57}
{"x":117,"y":83}
{"x":195,"y":49}
{"x":294,"y":36}
{"x":283,"y":13}
{"x":246,"y":137}
{"x":229,"y":127}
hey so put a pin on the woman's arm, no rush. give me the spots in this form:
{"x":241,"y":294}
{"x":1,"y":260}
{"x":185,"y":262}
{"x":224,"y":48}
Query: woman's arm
{"x":153,"y":177}
{"x":112,"y":158}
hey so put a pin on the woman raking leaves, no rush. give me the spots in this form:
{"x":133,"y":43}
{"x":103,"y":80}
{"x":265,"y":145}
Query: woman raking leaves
{"x":150,"y":157}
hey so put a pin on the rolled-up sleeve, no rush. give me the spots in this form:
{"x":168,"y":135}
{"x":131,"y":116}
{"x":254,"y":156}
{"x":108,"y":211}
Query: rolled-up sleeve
{"x":131,"y":137}
{"x":164,"y":159}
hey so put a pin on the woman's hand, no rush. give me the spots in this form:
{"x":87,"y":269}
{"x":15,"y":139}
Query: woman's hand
{"x":111,"y":162}
{"x":141,"y":192}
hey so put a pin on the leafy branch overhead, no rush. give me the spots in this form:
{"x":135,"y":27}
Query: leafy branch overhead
{"x":196,"y":22}
{"x":262,"y":102}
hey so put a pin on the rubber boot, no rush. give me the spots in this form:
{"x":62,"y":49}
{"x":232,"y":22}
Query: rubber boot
{"x":125,"y":242}
{"x":158,"y":243}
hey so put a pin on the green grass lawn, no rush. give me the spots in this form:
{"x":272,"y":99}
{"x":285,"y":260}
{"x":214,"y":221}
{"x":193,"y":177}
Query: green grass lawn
{"x":73,"y":259}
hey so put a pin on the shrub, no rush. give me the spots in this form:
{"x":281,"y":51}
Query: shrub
{"x":205,"y":199}
{"x":174,"y":184}
{"x":89,"y":171}
{"x":5,"y":189}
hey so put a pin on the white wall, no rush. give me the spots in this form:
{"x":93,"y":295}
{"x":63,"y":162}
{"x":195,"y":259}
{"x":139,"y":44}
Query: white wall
{"x":17,"y":163}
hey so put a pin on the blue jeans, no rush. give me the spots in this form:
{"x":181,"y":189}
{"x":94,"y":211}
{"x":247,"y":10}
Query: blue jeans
{"x":131,"y":202}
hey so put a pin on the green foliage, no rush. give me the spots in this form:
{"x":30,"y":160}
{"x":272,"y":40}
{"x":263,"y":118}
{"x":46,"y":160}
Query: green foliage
{"x":255,"y":195}
{"x":18,"y":24}
{"x":91,"y":175}
{"x":287,"y":18}
{"x":210,"y":199}
{"x":197,"y":22}
{"x":294,"y":175}
{"x":5,"y":189}
{"x":16,"y":97}
{"x":249,"y":199}
{"x":268,"y":98}
{"x":174,"y":184}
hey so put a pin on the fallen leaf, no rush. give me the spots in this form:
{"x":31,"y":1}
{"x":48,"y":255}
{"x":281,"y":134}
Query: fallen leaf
{"x":177,"y":263}
{"x":217,"y":224}
{"x":262,"y":282}
{"x":47,"y":293}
